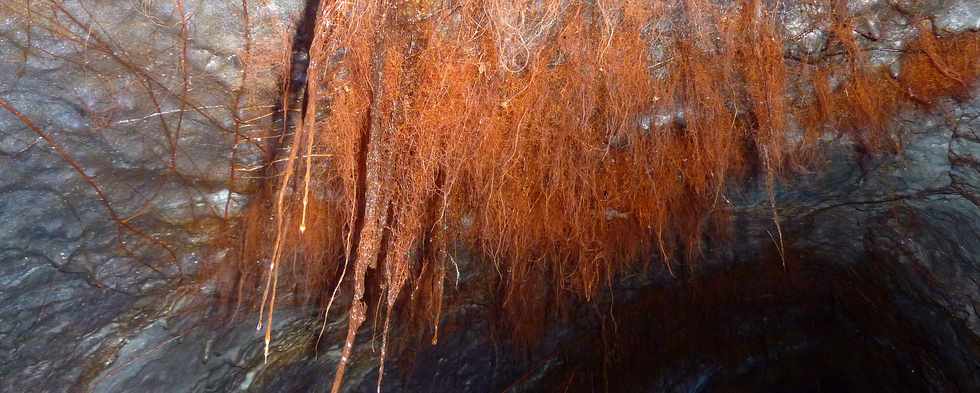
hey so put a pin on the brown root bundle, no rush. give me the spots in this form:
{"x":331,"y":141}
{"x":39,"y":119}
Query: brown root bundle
{"x":562,"y":142}
{"x":937,"y":67}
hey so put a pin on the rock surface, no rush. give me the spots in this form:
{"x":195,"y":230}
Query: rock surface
{"x":88,"y":306}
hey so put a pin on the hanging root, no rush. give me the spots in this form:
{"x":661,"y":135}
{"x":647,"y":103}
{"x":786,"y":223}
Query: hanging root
{"x":561,"y":143}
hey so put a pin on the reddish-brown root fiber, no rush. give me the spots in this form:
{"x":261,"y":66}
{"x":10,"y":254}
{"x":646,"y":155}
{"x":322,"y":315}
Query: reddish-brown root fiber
{"x":560,"y":142}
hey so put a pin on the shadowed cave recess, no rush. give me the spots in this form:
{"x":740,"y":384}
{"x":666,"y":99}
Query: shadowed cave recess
{"x":490,"y":195}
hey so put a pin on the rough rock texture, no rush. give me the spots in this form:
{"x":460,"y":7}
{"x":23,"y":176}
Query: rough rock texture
{"x":85,"y":306}
{"x":75,"y":288}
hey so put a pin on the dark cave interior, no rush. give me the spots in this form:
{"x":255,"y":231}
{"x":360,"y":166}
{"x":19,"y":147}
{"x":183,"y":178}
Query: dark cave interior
{"x":135,"y":142}
{"x":806,"y":326}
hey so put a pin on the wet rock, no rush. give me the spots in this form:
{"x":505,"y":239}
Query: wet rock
{"x":88,"y":306}
{"x":75,"y":285}
{"x":959,"y":16}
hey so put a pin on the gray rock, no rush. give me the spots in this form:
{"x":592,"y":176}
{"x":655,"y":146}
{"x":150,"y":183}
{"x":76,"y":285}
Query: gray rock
{"x":86,"y":306}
